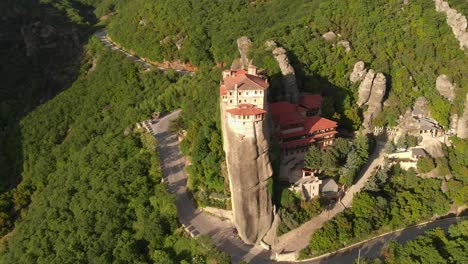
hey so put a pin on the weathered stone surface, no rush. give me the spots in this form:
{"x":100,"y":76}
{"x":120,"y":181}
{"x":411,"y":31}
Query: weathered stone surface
{"x":345,"y":44}
{"x":456,"y":21}
{"x":329,"y":36}
{"x":375,"y":100}
{"x":289,"y":77}
{"x":421,"y":108}
{"x":249,"y":170}
{"x":243,"y":44}
{"x":365,"y":88}
{"x":445,"y":87}
{"x":359,"y":72}
{"x":462,"y":128}
{"x":453,"y":123}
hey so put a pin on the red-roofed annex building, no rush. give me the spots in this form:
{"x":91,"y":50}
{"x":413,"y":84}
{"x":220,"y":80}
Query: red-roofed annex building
{"x":298,"y":126}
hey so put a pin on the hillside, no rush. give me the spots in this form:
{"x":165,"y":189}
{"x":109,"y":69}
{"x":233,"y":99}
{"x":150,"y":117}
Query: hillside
{"x":79,"y":183}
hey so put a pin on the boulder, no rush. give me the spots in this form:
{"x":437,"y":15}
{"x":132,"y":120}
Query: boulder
{"x":445,"y":87}
{"x":244,"y":44}
{"x":456,"y":21}
{"x":462,"y":127}
{"x":359,"y":72}
{"x":329,"y":36}
{"x":365,"y":88}
{"x":345,"y":44}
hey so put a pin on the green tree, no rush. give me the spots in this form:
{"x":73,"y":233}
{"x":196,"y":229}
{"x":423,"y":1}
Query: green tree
{"x":313,"y":158}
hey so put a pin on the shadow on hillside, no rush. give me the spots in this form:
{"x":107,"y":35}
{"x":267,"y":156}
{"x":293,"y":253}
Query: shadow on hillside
{"x":40,"y":49}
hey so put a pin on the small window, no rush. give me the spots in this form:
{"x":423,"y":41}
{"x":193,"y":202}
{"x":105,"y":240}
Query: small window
{"x":240,"y":101}
{"x":230,"y":93}
{"x":230,"y":101}
{"x":240,"y":93}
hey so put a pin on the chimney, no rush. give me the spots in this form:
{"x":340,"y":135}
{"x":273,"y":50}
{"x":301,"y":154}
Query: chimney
{"x":252,"y":70}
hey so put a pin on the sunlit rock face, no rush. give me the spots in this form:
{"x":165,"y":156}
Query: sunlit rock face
{"x":289,"y":75}
{"x":359,"y":72}
{"x":462,"y":127}
{"x":445,"y":87}
{"x":456,"y":21}
{"x":249,"y":170}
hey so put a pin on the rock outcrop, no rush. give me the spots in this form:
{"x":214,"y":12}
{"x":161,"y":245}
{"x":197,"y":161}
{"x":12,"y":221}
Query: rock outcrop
{"x":359,"y":72}
{"x":456,"y":21}
{"x":244,"y":44}
{"x":249,"y":170}
{"x":329,"y":36}
{"x":462,"y":128}
{"x":375,"y":100}
{"x":345,"y":44}
{"x":289,"y":76}
{"x":421,"y":108}
{"x":445,"y":87}
{"x":365,"y":88}
{"x":453,"y":125}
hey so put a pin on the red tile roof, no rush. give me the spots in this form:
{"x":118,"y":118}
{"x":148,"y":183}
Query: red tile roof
{"x":246,"y":110}
{"x":282,"y":107}
{"x":222,"y":90}
{"x":245,"y":81}
{"x":289,"y":119}
{"x":311,"y":101}
{"x":315,"y":123}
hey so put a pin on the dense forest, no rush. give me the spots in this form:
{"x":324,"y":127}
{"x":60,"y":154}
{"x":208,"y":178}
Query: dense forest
{"x":74,"y":169}
{"x":435,"y":246}
{"x":93,"y":180}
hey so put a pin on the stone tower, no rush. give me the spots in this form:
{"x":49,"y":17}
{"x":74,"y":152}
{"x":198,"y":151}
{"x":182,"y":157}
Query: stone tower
{"x":245,"y":142}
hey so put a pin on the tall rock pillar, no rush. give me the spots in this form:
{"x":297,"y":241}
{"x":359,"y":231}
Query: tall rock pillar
{"x":245,"y":142}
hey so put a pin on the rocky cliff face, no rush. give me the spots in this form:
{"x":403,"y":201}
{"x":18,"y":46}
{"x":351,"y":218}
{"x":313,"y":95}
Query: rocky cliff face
{"x":375,"y":100}
{"x":462,"y":128}
{"x":289,"y":76}
{"x":365,"y":88}
{"x":249,"y":170}
{"x":456,"y":21}
{"x":243,"y":44}
{"x":445,"y":87}
{"x":371,"y":91}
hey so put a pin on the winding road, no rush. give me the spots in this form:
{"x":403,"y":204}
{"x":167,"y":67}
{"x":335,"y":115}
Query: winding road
{"x":222,"y":233}
{"x":102,"y":36}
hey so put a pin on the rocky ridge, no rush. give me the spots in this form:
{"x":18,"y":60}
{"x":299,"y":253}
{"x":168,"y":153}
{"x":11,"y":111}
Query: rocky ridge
{"x":371,"y":92}
{"x":244,"y":44}
{"x":456,"y":21}
{"x":289,"y":75}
